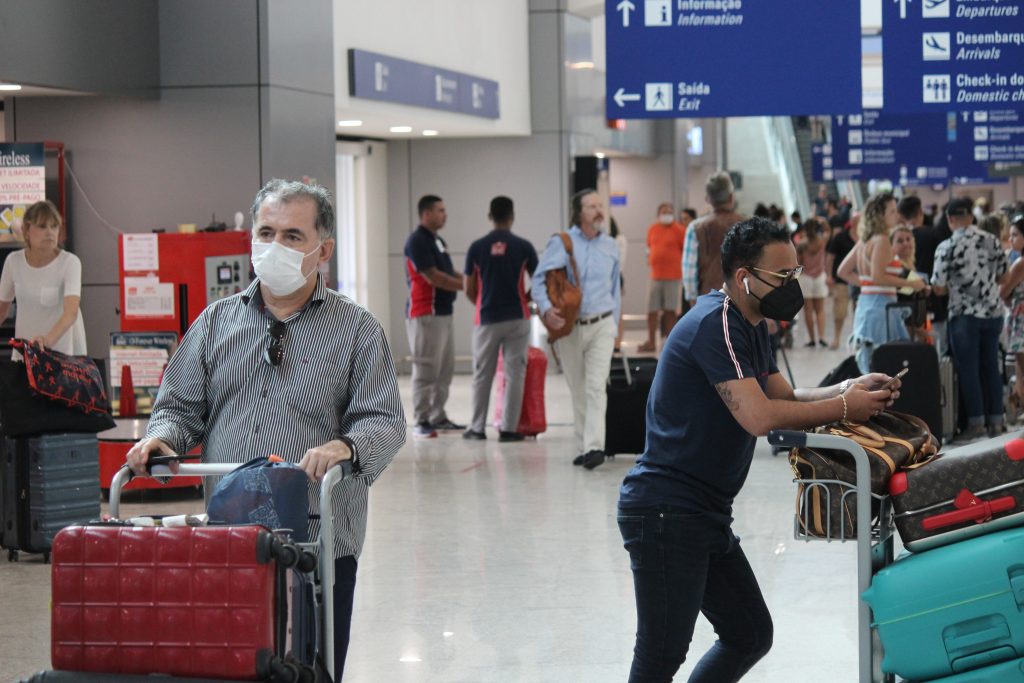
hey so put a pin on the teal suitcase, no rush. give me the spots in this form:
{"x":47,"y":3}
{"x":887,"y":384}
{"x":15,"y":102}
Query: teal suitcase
{"x":1007,"y":672}
{"x":952,"y":609}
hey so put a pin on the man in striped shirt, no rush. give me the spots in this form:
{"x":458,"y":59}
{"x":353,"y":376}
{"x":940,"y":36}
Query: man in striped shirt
{"x":288,"y":367}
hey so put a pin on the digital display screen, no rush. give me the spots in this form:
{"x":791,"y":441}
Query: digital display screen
{"x":223,"y":275}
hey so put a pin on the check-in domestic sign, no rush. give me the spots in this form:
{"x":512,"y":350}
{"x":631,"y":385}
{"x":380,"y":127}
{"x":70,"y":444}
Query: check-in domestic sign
{"x":706,"y":58}
{"x":380,"y":77}
{"x":939,"y":55}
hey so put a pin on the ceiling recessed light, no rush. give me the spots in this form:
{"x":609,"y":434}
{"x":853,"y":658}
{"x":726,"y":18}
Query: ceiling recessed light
{"x":581,"y":65}
{"x":401,"y":129}
{"x":9,"y":86}
{"x":430,"y":133}
{"x":352,"y":123}
{"x":410,"y":659}
{"x":599,"y":155}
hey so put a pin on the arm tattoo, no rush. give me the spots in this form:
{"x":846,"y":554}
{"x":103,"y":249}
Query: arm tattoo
{"x":731,"y":403}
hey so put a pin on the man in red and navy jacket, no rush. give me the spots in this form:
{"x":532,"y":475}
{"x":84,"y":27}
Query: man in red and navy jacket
{"x":433,"y":284}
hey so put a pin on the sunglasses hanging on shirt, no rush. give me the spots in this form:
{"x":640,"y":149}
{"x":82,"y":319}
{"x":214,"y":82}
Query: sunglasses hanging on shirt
{"x":274,"y":353}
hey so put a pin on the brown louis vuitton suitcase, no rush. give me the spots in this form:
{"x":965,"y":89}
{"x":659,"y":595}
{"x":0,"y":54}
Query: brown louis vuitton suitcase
{"x":826,"y":496}
{"x":965,"y":492}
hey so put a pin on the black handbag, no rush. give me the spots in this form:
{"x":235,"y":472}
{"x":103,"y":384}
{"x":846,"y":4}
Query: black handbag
{"x":25,"y":413}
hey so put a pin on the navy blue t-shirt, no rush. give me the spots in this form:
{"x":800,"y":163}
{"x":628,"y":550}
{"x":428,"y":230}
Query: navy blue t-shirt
{"x":425,"y":250}
{"x":499,"y":260}
{"x":697,"y":455}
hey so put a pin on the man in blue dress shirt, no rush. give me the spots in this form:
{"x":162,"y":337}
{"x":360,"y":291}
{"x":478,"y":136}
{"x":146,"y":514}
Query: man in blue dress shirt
{"x":586,"y":353}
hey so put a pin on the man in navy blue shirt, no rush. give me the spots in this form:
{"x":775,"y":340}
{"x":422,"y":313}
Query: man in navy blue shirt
{"x":433,"y":284}
{"x":717,"y":388}
{"x":495,"y":269}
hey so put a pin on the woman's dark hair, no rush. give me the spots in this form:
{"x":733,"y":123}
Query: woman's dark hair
{"x":613,"y":228}
{"x":577,"y":205}
{"x":811,"y":228}
{"x":745,"y":242}
{"x":761,"y":211}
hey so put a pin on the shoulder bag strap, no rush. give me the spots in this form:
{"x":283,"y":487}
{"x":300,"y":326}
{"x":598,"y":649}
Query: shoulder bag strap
{"x":567,"y":244}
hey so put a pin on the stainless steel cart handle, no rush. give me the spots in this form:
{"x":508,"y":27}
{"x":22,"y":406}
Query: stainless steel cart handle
{"x":794,"y":439}
{"x":334,"y":476}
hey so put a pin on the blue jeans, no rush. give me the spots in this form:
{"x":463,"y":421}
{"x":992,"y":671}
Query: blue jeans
{"x":684,"y":564}
{"x":975,"y":345}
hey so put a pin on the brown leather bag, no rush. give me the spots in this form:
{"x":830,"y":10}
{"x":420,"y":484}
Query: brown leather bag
{"x":827,"y":508}
{"x":564,"y":295}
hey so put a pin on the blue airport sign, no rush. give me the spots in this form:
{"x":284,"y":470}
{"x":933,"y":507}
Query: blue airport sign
{"x":707,"y":58}
{"x":920,"y":149}
{"x":379,"y":77}
{"x":952,"y":54}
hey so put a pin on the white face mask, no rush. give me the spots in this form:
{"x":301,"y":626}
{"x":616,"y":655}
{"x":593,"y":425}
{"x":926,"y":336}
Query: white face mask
{"x":279,"y":267}
{"x":666,"y":218}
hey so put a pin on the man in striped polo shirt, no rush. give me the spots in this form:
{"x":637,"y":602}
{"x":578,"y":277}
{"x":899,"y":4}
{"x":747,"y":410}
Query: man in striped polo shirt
{"x":288,"y":367}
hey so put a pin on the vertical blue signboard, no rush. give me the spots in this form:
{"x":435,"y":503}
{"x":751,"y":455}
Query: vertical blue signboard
{"x":952,"y":54}
{"x":704,"y":58}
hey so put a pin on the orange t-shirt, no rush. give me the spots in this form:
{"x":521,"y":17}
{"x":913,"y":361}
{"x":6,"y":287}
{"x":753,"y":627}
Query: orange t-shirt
{"x":665,"y":251}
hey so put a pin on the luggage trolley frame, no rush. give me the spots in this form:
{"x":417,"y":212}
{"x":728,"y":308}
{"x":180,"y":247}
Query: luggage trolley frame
{"x":323,"y":546}
{"x":874,"y":540}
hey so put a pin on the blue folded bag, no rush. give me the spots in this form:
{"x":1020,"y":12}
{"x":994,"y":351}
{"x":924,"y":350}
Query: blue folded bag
{"x":274,"y":494}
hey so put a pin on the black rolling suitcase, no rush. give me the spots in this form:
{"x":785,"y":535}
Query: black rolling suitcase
{"x":625,"y":421}
{"x":47,"y":482}
{"x":921,"y":394}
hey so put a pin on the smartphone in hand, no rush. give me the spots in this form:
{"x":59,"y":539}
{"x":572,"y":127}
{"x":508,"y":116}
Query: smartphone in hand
{"x":892,"y":382}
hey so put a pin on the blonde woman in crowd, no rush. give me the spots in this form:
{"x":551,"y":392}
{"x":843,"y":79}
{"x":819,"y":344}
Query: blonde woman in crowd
{"x":46,"y":281}
{"x":879,"y":271}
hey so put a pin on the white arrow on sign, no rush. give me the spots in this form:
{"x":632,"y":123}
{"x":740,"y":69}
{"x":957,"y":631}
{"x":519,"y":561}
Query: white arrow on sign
{"x":625,"y":7}
{"x":621,"y":97}
{"x":903,"y":7}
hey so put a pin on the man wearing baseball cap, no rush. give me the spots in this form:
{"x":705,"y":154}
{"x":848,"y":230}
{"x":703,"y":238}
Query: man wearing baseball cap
{"x":971,"y":265}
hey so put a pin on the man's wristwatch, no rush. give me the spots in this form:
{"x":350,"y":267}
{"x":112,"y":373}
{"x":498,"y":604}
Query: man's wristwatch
{"x":844,"y":385}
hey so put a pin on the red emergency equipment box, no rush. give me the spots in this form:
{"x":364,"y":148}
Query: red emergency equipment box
{"x":167,"y":279}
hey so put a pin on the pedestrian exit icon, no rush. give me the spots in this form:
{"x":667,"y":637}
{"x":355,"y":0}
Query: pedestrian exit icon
{"x":658,"y":97}
{"x":936,"y":88}
{"x":657,"y":12}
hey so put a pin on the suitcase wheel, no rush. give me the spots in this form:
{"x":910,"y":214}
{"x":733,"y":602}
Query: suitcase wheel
{"x":12,"y":555}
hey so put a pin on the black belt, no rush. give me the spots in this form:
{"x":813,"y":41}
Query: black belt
{"x":591,"y":321}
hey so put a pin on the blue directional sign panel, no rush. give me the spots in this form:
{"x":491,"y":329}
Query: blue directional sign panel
{"x":706,"y":58}
{"x":917,"y":149}
{"x":959,"y":54}
{"x":379,"y":77}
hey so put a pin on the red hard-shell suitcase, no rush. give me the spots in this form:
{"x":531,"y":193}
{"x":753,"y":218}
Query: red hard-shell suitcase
{"x":186,"y":601}
{"x":964,"y":492}
{"x":533,"y":418}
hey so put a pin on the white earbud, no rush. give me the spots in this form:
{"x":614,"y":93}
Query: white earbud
{"x":746,"y":285}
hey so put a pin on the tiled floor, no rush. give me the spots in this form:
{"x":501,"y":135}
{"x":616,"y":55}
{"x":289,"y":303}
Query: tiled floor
{"x":502,"y":562}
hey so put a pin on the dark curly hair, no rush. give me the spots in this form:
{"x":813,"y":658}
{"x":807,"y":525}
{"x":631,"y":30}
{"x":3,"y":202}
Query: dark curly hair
{"x":746,"y":240}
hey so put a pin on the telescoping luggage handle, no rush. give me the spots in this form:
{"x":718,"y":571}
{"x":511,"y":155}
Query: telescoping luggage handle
{"x":343,"y":470}
{"x":795,"y":439}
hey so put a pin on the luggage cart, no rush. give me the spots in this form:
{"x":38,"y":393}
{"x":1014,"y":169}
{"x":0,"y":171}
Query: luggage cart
{"x":874,"y":538}
{"x":323,"y":547}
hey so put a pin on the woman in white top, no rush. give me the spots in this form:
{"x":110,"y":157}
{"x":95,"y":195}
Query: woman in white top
{"x":46,"y":281}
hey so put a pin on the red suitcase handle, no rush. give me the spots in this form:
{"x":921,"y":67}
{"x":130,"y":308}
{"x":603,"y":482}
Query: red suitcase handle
{"x":970,"y":509}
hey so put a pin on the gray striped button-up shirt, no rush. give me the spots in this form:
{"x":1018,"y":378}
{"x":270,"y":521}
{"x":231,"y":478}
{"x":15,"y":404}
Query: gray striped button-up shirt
{"x":337,"y":379}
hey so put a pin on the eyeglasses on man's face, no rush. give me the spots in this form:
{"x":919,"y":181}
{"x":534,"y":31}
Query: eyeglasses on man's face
{"x":784,"y":275}
{"x":274,"y":353}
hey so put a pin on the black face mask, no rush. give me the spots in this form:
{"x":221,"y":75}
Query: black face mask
{"x":782,"y":303}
